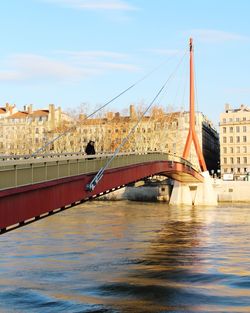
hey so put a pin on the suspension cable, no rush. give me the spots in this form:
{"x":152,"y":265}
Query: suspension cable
{"x":91,"y":186}
{"x":100,"y":108}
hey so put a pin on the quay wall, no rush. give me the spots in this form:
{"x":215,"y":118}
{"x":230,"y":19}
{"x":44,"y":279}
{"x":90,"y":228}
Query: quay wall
{"x":232,"y":191}
{"x":227,"y":191}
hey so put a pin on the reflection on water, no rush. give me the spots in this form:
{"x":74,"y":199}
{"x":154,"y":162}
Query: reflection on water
{"x":129,"y":257}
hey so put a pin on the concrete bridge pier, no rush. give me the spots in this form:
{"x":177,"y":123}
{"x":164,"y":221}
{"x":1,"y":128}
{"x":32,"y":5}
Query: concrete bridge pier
{"x":194,"y":193}
{"x":181,"y":194}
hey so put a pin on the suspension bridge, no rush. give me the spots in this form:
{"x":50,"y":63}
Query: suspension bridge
{"x":38,"y":185}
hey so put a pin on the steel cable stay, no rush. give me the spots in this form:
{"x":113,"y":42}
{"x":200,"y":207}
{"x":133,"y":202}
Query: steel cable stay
{"x":91,"y":186}
{"x":100,"y":108}
{"x":173,"y":105}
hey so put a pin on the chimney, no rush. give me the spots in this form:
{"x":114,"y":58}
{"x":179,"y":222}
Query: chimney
{"x":132,"y":112}
{"x":227,"y":107}
{"x":110,"y":115}
{"x":82,"y":116}
{"x":51,"y":116}
{"x":30,"y":109}
{"x":117,"y":114}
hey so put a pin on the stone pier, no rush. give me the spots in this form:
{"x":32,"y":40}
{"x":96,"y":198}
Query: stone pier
{"x":194,"y":193}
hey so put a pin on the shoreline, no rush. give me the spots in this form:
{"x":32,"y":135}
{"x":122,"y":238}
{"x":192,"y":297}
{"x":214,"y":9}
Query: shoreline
{"x":227,"y":192}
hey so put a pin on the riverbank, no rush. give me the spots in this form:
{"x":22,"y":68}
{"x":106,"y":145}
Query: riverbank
{"x":232,"y":191}
{"x":227,"y":191}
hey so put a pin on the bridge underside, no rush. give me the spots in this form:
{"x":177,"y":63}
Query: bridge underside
{"x":22,"y":205}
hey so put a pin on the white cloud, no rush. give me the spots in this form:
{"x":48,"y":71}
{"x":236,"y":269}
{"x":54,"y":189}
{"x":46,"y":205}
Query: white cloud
{"x":8,"y":75}
{"x":66,"y":66}
{"x":95,"y":4}
{"x":211,"y":35}
{"x":31,"y":65}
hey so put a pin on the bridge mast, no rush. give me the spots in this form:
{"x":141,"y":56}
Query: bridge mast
{"x":192,"y":136}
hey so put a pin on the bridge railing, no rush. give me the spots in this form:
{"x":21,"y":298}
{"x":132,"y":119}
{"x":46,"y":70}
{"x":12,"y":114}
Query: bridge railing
{"x":20,"y":171}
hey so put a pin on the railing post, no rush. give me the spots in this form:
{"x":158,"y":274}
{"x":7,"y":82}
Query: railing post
{"x":32,"y":173}
{"x":46,"y":170}
{"x":15,"y":168}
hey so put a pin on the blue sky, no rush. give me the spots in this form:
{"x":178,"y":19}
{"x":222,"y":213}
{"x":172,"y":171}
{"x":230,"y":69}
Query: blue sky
{"x":69,"y":52}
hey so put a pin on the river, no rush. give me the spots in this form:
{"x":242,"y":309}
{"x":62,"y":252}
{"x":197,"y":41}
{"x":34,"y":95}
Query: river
{"x":129,"y":257}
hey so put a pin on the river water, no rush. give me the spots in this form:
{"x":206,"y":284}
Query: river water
{"x":129,"y":257}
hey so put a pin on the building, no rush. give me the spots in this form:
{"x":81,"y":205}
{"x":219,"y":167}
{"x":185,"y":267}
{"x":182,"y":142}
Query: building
{"x":159,"y":131}
{"x":23,"y":132}
{"x":7,"y":110}
{"x":235,"y":142}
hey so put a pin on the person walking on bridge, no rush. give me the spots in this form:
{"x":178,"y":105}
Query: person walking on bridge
{"x":90,"y":148}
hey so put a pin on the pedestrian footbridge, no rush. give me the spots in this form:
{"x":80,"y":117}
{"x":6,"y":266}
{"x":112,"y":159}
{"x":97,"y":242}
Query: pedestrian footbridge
{"x":32,"y":188}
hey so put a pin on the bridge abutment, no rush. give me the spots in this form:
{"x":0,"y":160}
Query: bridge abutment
{"x":181,"y":194}
{"x":194,"y":193}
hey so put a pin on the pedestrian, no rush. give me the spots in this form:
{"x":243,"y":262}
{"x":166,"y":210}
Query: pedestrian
{"x":90,"y":148}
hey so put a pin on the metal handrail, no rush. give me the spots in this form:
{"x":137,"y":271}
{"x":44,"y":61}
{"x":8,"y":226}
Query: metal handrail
{"x":21,"y":172}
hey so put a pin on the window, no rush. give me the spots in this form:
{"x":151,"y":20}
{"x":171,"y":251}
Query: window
{"x":238,"y":169}
{"x":225,"y":160}
{"x":238,"y":149}
{"x":231,"y":139}
{"x":224,"y":139}
{"x":245,"y":160}
{"x":231,"y":150}
{"x":224,"y":130}
{"x":237,"y":129}
{"x":238,"y":139}
{"x":231,"y":129}
{"x":237,"y":119}
{"x":224,"y":150}
{"x":244,"y":138}
{"x":238,"y":160}
{"x":244,"y":129}
{"x":37,"y":130}
{"x":244,"y":149}
{"x":224,"y":120}
{"x":230,"y":120}
{"x":231,"y":160}
{"x":244,"y":119}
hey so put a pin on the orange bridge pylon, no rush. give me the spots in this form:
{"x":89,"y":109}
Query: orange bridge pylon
{"x":192,"y":136}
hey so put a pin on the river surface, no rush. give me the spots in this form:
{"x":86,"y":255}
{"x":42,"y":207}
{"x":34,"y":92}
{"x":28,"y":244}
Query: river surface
{"x":129,"y":257}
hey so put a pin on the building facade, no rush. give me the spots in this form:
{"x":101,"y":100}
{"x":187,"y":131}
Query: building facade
{"x":159,"y":131}
{"x":235,"y":142}
{"x":24,"y":132}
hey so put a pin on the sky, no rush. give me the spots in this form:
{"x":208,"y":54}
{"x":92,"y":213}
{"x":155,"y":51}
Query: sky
{"x":76,"y":53}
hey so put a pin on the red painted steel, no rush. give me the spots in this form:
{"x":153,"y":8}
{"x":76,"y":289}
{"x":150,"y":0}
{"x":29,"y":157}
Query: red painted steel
{"x":192,"y":136}
{"x":22,"y":203}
